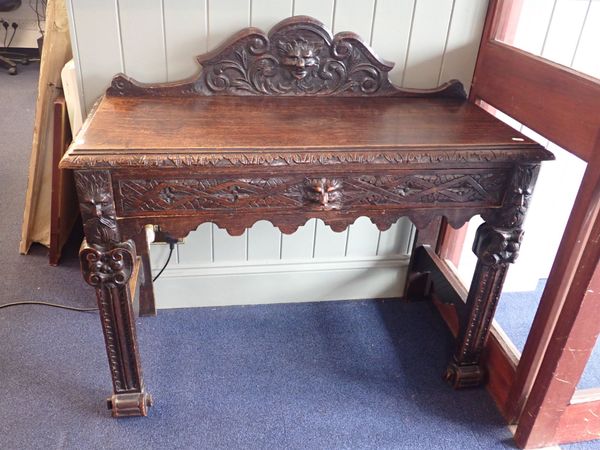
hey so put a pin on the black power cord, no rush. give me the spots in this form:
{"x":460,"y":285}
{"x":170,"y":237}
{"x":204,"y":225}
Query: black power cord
{"x":14,"y":26}
{"x":54,"y":305}
{"x":169,"y":240}
{"x":6,"y":25}
{"x":171,"y":243}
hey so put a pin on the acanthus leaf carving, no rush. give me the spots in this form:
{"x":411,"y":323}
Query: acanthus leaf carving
{"x":174,"y":160}
{"x":299,"y":56}
{"x":292,"y":192}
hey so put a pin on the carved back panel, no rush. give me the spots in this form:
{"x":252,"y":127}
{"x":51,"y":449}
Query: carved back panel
{"x":299,"y":56}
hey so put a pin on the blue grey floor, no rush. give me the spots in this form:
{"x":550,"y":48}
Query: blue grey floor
{"x":359,"y":374}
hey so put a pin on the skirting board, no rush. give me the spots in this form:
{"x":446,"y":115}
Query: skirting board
{"x":252,"y":283}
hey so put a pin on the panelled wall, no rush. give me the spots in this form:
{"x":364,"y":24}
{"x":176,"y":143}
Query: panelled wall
{"x":430,"y":41}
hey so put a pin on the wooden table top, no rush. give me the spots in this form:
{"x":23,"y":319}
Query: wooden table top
{"x":138,"y":126}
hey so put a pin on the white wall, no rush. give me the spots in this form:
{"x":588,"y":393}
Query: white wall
{"x":431,"y":41}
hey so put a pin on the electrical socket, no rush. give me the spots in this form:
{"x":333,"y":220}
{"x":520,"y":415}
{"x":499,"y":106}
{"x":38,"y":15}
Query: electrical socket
{"x":27,"y":24}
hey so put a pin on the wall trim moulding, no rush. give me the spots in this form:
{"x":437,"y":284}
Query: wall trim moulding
{"x":274,"y":282}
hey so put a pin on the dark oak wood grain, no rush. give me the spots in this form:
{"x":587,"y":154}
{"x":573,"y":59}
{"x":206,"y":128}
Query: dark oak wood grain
{"x":298,"y":57}
{"x":225,"y":125}
{"x":286,"y":127}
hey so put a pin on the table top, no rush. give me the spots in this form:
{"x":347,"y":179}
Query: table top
{"x":217,"y":125}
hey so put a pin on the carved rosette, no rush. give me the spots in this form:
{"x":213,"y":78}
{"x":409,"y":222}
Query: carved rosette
{"x":110,"y":268}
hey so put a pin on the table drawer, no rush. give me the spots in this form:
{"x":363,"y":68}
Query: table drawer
{"x":337,"y":191}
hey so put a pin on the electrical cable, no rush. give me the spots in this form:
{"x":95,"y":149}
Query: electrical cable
{"x":171,"y":248}
{"x":171,"y":243}
{"x":13,"y":35}
{"x":54,"y":305}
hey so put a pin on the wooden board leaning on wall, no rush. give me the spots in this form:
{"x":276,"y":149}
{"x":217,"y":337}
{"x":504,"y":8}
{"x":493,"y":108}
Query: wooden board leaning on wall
{"x":56,"y":52}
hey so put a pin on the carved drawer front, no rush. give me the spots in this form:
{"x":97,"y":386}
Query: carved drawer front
{"x":468,"y":188}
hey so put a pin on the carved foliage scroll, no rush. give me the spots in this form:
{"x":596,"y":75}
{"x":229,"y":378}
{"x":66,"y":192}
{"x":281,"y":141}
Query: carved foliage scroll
{"x":296,"y":60}
{"x":292,"y":192}
{"x":299,"y":56}
{"x":76,"y":161}
{"x":108,"y":268}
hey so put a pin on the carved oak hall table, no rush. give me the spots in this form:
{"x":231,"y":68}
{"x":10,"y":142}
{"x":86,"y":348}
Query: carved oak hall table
{"x":292,"y":125}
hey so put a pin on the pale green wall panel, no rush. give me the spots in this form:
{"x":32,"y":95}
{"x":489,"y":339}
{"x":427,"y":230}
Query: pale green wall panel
{"x":266,"y":13}
{"x":186,"y":26}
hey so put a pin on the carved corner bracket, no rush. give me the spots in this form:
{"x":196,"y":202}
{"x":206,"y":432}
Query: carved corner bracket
{"x":299,"y":56}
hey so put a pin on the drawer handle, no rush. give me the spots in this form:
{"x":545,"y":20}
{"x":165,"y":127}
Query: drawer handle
{"x":324,"y":191}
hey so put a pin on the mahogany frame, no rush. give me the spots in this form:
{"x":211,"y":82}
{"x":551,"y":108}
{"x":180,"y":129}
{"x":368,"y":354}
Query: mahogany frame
{"x":542,"y":387}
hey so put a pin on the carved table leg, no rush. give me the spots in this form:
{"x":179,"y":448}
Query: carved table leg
{"x":109,"y":272}
{"x":496,"y":245}
{"x":107,"y":265}
{"x":495,"y":249}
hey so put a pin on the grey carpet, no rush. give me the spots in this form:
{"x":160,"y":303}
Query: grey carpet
{"x":359,"y":374}
{"x":26,"y":277}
